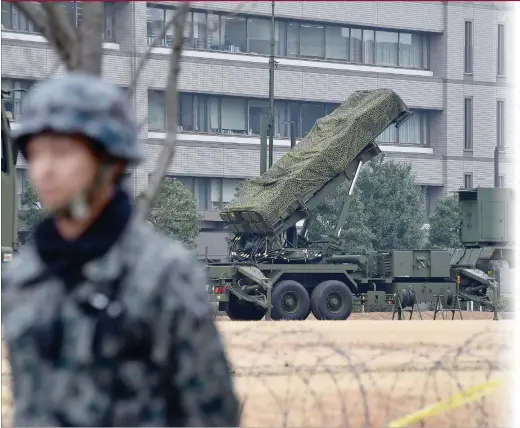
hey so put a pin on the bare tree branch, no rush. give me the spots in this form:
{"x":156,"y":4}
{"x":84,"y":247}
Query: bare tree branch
{"x":147,"y":197}
{"x":34,"y":12}
{"x":52,"y":21}
{"x":156,"y":41}
{"x":91,"y":38}
{"x":148,"y":54}
{"x":63,"y":35}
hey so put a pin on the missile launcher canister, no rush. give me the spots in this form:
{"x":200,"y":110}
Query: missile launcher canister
{"x":265,"y":203}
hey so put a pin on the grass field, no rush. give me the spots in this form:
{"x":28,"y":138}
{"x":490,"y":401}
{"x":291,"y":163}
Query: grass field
{"x":363,"y":372}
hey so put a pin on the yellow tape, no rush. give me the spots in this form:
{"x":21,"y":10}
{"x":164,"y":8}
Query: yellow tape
{"x":456,"y":400}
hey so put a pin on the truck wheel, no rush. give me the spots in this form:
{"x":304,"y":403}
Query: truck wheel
{"x":331,"y":300}
{"x":240,"y":310}
{"x":290,"y":301}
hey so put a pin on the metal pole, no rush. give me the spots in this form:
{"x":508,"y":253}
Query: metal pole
{"x":271,"y":88}
{"x":293,"y":134}
{"x":263,"y":143}
{"x":497,"y":166}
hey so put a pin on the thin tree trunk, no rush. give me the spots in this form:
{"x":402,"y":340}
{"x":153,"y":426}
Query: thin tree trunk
{"x":54,"y":23}
{"x":146,"y":199}
{"x":91,"y":38}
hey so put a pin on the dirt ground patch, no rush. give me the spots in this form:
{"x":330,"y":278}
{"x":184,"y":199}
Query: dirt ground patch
{"x":426,"y":315}
{"x":365,"y":373}
{"x":361,"y":373}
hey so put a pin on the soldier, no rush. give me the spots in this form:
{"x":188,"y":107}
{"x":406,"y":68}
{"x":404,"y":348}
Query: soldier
{"x":106,"y":321}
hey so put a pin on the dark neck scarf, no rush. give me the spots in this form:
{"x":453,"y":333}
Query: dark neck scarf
{"x":65,"y":259}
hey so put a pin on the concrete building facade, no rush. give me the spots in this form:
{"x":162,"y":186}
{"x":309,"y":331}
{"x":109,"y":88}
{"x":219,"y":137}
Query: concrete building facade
{"x":448,"y":61}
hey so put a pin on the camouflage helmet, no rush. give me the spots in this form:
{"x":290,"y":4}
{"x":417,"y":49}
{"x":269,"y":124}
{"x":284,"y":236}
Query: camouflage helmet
{"x":78,"y":103}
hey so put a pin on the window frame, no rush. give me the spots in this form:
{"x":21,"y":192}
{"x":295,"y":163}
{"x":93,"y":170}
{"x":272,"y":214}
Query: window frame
{"x":469,"y":42}
{"x":425,"y":122}
{"x":193,"y":184}
{"x":108,"y":6}
{"x":501,"y":50}
{"x":329,"y":107}
{"x":468,"y":176}
{"x":10,"y":10}
{"x":25,"y":87}
{"x":501,"y":124}
{"x":283,"y":128}
{"x":468,"y":127}
{"x":282,"y":42}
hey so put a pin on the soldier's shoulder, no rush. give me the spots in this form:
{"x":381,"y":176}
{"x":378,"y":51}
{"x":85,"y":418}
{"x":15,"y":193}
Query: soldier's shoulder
{"x":162,"y":253}
{"x":148,"y":242}
{"x":178,"y":272}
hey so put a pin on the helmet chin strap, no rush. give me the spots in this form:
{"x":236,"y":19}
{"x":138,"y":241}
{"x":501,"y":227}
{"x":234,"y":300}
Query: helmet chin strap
{"x":78,"y":207}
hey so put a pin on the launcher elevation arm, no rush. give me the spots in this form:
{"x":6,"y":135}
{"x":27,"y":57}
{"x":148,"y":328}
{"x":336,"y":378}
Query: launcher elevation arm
{"x":351,"y":174}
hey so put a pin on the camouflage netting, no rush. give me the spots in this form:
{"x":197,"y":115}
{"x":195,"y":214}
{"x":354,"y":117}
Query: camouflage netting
{"x":326,"y":151}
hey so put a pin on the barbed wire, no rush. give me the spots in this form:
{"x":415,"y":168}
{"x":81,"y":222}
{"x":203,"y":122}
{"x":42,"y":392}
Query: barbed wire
{"x":360,"y":373}
{"x":355,"y":374}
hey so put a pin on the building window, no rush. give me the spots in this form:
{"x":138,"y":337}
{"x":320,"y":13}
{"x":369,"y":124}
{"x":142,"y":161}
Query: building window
{"x":337,"y":45}
{"x":468,"y":181}
{"x":501,"y":124}
{"x":427,"y":202}
{"x":468,"y":47}
{"x":75,"y":9}
{"x":368,"y":47}
{"x":310,"y":113}
{"x":501,"y":51}
{"x":356,"y":45}
{"x":257,"y":108}
{"x":16,"y":96}
{"x":156,"y":111}
{"x":233,"y":30}
{"x":413,"y":50}
{"x":414,"y":131}
{"x":110,"y":22}
{"x":312,"y":41}
{"x":234,"y":115}
{"x":210,"y":193}
{"x":387,"y":48}
{"x":468,"y":124}
{"x":294,"y":39}
{"x":259,"y":36}
{"x":14,"y":20}
{"x":155,"y":20}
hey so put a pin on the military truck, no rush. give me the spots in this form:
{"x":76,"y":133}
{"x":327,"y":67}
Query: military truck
{"x":9,"y":208}
{"x":275,"y":269}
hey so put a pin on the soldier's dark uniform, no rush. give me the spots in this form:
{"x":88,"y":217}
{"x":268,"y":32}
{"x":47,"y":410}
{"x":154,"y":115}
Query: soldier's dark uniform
{"x":113,"y":329}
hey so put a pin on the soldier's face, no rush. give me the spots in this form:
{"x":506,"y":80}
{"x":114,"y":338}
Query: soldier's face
{"x":59,"y":167}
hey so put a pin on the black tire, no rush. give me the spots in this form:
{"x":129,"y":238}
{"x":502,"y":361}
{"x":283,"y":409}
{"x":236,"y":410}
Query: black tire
{"x":290,"y":301}
{"x":342,"y":305}
{"x":240,"y":310}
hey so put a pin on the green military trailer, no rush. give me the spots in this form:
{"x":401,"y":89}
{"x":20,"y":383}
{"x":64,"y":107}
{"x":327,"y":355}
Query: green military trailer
{"x":9,"y":208}
{"x":275,"y":270}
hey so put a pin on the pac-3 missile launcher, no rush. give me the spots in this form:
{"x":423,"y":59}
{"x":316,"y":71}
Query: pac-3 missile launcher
{"x":274,"y":268}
